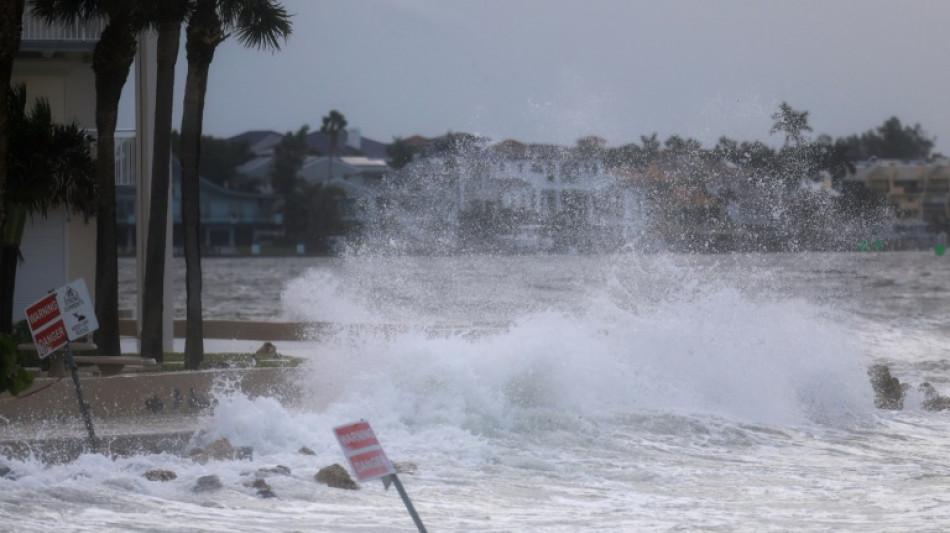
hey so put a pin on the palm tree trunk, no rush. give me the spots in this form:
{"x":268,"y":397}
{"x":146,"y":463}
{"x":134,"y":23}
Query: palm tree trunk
{"x":204,"y":35}
{"x":11,"y":25}
{"x":169,"y":34}
{"x":11,"y":236}
{"x":111,"y":62}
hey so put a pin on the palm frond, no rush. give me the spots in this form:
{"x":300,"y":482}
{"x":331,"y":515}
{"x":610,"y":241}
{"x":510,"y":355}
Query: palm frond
{"x":258,"y":23}
{"x":68,"y":11}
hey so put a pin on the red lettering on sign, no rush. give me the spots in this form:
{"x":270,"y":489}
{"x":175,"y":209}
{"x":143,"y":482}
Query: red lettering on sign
{"x":51,"y":338}
{"x":42,"y":312}
{"x":356,"y":436}
{"x":371,"y":464}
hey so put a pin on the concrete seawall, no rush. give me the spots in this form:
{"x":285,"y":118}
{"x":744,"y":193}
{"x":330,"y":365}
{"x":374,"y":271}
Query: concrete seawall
{"x":132,"y":413}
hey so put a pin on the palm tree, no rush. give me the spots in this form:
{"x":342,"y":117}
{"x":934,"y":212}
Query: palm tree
{"x":49,"y":165}
{"x":790,"y":122}
{"x":11,"y":26}
{"x":111,"y":61}
{"x":257,"y":23}
{"x":333,"y":124}
{"x":169,"y":17}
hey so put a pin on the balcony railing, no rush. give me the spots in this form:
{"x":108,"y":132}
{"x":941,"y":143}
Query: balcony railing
{"x":38,"y":35}
{"x":125,"y":157}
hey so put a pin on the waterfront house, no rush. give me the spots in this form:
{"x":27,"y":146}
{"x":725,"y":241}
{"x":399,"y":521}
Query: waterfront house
{"x":230,"y":220}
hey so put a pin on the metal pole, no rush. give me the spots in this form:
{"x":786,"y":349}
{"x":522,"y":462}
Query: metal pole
{"x":405,"y":499}
{"x":83,"y":406}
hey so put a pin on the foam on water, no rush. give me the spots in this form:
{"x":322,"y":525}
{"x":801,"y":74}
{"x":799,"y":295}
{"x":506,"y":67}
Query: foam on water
{"x":648,"y":397}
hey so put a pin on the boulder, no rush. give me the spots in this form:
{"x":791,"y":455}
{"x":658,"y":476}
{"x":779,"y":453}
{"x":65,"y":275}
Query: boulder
{"x":160,"y":475}
{"x":889,"y":392}
{"x":405,"y":467}
{"x":263,"y":489}
{"x":306,"y":451}
{"x":279,"y":470}
{"x":219,"y":450}
{"x":933,"y":401}
{"x":266,"y":351}
{"x":207,"y":484}
{"x":335,"y":476}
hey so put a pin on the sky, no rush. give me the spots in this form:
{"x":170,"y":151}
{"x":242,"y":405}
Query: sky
{"x":557,"y":70}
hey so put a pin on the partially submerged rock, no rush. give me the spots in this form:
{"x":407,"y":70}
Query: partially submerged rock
{"x":207,"y":484}
{"x":160,"y":475}
{"x":888,"y":391}
{"x":933,"y":401}
{"x":335,"y":476}
{"x":221,"y":450}
{"x":263,"y":488}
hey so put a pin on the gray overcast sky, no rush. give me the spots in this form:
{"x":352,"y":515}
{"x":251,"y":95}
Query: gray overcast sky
{"x":556,"y":70}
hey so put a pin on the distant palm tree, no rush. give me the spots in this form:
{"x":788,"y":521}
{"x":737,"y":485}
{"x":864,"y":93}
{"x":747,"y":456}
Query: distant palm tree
{"x":790,"y":122}
{"x":168,"y":17}
{"x":257,"y":23}
{"x":111,"y":61}
{"x":333,"y":124}
{"x":50,"y":165}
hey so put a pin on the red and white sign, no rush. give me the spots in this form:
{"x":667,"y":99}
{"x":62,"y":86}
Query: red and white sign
{"x":363,"y":451}
{"x":61,"y":316}
{"x":50,"y":339}
{"x":42,"y":312}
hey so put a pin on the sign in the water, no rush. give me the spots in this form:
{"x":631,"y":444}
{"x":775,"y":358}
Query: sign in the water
{"x":363,"y":451}
{"x":940,"y":247}
{"x":63,"y":315}
{"x":369,"y":461}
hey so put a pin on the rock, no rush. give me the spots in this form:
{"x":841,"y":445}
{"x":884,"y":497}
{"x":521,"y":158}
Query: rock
{"x":263,"y":489}
{"x":267,"y":350}
{"x":219,"y":450}
{"x":889,"y":392}
{"x":160,"y":475}
{"x":279,"y":470}
{"x":306,"y":451}
{"x":406,"y":468}
{"x":207,"y":484}
{"x":933,"y":401}
{"x":335,"y":476}
{"x":6,"y":472}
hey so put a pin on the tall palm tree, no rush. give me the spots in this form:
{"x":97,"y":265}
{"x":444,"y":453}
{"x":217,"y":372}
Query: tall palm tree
{"x":50,"y":165}
{"x":111,"y":61}
{"x":11,"y":26}
{"x":169,"y":16}
{"x":257,"y":23}
{"x":333,"y":124}
{"x":790,"y":122}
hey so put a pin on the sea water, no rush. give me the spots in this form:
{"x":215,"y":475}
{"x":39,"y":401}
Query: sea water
{"x":562,"y":393}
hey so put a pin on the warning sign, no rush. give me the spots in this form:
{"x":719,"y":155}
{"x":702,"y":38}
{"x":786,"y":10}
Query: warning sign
{"x":76,"y":307}
{"x":363,"y":451}
{"x":63,"y":315}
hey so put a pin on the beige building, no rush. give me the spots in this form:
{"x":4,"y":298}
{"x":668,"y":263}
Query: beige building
{"x":918,"y":190}
{"x":55,"y":62}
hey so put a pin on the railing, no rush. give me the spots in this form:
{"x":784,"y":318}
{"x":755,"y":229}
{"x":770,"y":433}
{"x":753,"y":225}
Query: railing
{"x":126,"y":160}
{"x":77,"y":32}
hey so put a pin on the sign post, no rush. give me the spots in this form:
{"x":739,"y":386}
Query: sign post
{"x":61,"y":316}
{"x":369,"y":461}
